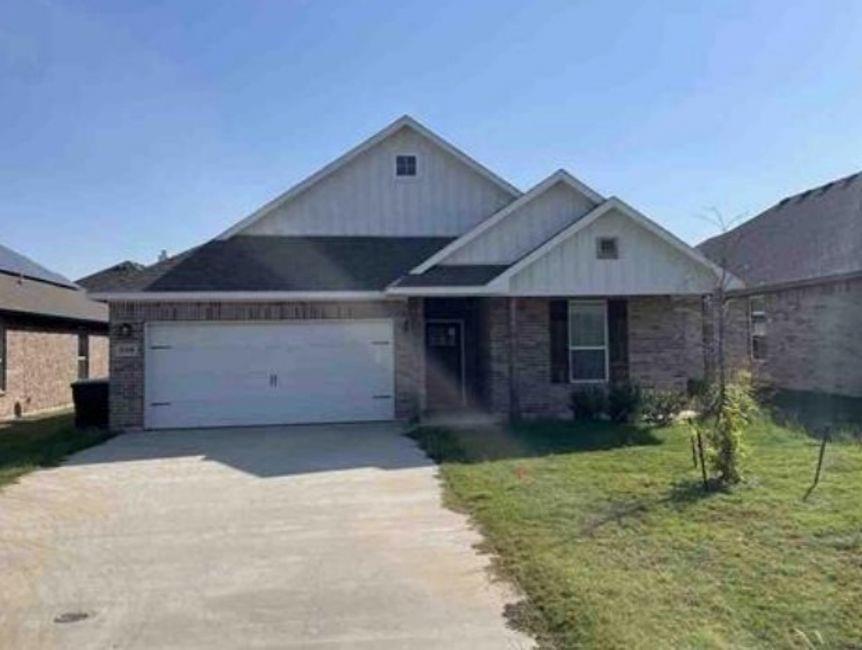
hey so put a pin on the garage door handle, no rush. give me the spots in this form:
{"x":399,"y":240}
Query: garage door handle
{"x":160,"y":403}
{"x":382,"y":396}
{"x":379,"y":342}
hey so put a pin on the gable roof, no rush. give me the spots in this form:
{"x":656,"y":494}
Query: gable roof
{"x":14,"y":263}
{"x":613,"y":203}
{"x":808,"y":236}
{"x":559,"y":176}
{"x":402,"y":122}
{"x":246,"y":263}
{"x":109,"y":277}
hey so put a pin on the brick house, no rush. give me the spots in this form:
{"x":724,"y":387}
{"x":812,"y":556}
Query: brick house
{"x":801,"y":262}
{"x":402,"y":278}
{"x":51,"y":334}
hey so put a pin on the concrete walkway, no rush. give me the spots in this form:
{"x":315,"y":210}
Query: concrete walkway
{"x":282,"y":537}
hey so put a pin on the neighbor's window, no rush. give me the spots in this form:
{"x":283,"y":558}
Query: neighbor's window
{"x":606,"y":248}
{"x":757,"y":311}
{"x":83,"y":356}
{"x":2,"y":358}
{"x":588,"y":341}
{"x":405,"y":166}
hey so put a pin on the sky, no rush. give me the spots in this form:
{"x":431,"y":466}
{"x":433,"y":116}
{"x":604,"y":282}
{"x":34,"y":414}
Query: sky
{"x":131,"y":127}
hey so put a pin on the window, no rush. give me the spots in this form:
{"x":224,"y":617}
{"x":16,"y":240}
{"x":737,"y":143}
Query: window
{"x":405,"y":166}
{"x":2,"y":357}
{"x":588,"y":341}
{"x":606,"y":248}
{"x":757,"y":313}
{"x":83,"y":356}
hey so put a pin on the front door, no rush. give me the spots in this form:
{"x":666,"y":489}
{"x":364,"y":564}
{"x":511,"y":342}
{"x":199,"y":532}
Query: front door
{"x":444,"y":364}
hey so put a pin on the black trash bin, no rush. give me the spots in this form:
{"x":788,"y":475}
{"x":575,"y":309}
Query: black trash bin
{"x":91,"y":402}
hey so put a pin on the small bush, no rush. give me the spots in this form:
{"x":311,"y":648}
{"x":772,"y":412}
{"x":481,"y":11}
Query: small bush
{"x":725,"y":431}
{"x":660,"y":407}
{"x":624,"y":402}
{"x":589,"y":403}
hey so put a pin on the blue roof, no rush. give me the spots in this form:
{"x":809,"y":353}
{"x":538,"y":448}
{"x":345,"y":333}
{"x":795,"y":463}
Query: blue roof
{"x":16,"y":264}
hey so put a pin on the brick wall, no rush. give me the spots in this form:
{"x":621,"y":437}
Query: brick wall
{"x":41,"y":364}
{"x":665,"y":350}
{"x":127,"y":372}
{"x":814,"y":338}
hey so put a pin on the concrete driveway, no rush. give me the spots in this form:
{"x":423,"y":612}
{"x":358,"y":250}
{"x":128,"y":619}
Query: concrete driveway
{"x":282,"y":537}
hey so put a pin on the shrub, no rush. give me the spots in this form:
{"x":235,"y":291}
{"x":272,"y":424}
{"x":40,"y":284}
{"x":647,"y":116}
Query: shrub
{"x":624,"y":402}
{"x":660,"y":407}
{"x":724,"y":431}
{"x":588,"y":403}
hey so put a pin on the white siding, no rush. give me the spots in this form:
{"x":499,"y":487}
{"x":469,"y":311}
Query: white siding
{"x":364,"y":197}
{"x":646,"y":265}
{"x":526,"y":228}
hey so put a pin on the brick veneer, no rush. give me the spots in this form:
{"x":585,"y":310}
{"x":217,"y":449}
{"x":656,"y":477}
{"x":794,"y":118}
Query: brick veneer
{"x":127,"y":373}
{"x":42,"y":363}
{"x":814,"y":338}
{"x":665,"y":350}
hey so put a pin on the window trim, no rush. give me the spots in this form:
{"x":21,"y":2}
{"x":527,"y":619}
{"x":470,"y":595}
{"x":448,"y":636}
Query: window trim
{"x":85,"y":337}
{"x":752,"y":314}
{"x":600,"y":255}
{"x":574,"y":348}
{"x":408,"y":154}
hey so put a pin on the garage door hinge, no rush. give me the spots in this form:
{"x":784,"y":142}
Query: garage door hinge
{"x":383,"y":397}
{"x":160,"y":403}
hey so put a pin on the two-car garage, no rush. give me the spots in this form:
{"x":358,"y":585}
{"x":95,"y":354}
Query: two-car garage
{"x":208,"y":374}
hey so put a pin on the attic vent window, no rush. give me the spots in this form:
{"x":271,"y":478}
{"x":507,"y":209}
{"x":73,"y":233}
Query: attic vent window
{"x":606,"y":248}
{"x":405,"y":166}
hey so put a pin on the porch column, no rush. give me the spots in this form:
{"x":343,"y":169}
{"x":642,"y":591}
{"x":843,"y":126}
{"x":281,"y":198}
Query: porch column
{"x":514,"y":397}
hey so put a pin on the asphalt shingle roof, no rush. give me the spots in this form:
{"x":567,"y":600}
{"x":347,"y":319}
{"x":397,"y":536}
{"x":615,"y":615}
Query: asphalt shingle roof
{"x":107,"y":278}
{"x":16,"y":264}
{"x":808,"y":236}
{"x":467,"y":275}
{"x":271,"y":263}
{"x":23,"y":295}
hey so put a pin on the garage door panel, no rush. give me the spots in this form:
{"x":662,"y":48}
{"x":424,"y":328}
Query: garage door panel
{"x":217,"y":374}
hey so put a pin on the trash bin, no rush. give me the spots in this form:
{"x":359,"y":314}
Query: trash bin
{"x":91,"y":402}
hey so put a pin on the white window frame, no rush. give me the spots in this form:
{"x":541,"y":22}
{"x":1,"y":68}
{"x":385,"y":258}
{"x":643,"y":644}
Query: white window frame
{"x":395,"y":166}
{"x":616,"y":243}
{"x":751,"y":316}
{"x":574,"y":348}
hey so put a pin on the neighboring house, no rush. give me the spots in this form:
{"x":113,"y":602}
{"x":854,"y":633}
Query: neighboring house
{"x":112,"y":276}
{"x":801,"y":261}
{"x":51,"y":334}
{"x":401,"y":278}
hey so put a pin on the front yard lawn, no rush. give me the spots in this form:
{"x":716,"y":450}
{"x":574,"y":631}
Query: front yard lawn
{"x":607,"y":532}
{"x":41,"y":442}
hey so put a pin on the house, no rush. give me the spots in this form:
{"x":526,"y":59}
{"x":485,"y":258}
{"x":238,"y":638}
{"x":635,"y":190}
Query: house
{"x":405,"y":277}
{"x":112,"y":276}
{"x":51,"y":334}
{"x":801,"y":261}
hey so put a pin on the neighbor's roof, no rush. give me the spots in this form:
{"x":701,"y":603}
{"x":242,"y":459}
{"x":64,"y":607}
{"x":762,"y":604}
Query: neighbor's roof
{"x":22,"y":295}
{"x":813,"y":235}
{"x":249,"y":263}
{"x":16,"y":264}
{"x":107,"y":278}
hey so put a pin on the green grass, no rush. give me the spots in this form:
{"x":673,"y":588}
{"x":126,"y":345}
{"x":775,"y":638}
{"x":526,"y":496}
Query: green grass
{"x":607,"y":532}
{"x":28,"y":444}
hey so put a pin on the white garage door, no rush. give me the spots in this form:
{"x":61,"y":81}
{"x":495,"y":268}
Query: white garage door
{"x":234,"y":374}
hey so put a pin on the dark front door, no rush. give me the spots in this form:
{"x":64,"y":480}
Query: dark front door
{"x":444,"y":364}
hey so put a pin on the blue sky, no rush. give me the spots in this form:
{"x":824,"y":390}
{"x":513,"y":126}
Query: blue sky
{"x":129,"y":127}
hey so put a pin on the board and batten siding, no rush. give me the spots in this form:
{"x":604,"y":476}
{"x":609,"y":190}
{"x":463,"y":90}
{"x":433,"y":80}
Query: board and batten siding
{"x":526,"y":228}
{"x":364,"y":197}
{"x":647,"y":265}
